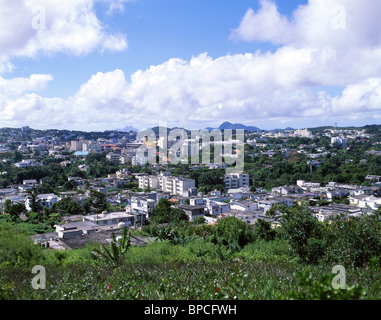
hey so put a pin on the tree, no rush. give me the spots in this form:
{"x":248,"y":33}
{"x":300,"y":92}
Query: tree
{"x":96,"y":202}
{"x":165,"y":213}
{"x":7,"y":205}
{"x":15,"y":211}
{"x":264,"y":231}
{"x":304,"y":233}
{"x":232,"y":233}
{"x":211,"y":179}
{"x":33,"y":200}
{"x":17,"y":156}
{"x":114,"y":254}
{"x":67,"y":205}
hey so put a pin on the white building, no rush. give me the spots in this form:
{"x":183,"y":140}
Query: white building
{"x":105,"y":218}
{"x":244,"y":205}
{"x":268,"y":204}
{"x":142,"y":205}
{"x":44,"y":200}
{"x":76,"y":146}
{"x":236,"y":180}
{"x":146,"y":182}
{"x":305,"y":133}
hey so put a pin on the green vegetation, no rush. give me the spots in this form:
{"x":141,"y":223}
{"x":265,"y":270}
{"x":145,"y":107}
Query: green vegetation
{"x":202,"y":262}
{"x":165,"y":213}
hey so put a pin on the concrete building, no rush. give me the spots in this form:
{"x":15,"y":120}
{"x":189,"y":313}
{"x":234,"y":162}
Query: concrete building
{"x":44,"y":201}
{"x":76,"y":145}
{"x":105,"y":218}
{"x":193,"y":212}
{"x":146,"y":181}
{"x":142,"y":205}
{"x":236,"y":180}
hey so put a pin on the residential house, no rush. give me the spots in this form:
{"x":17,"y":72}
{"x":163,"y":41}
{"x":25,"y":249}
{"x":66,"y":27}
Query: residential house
{"x":193,"y":212}
{"x":44,"y":201}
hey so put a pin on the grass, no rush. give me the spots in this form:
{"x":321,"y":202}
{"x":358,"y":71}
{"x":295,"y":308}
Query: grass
{"x":167,"y":272}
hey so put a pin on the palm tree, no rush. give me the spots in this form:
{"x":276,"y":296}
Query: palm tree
{"x":114,"y":253}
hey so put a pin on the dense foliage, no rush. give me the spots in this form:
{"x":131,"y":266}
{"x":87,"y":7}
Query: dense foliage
{"x":259,"y":266}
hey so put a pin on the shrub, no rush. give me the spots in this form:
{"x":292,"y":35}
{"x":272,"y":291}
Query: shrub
{"x":16,"y":248}
{"x":232,"y":233}
{"x":304,"y":233}
{"x":311,"y":288}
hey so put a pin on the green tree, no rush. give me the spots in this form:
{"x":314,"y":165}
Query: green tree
{"x":304,"y":233}
{"x":67,"y":205}
{"x":33,"y":200}
{"x":96,"y":202}
{"x":115,"y":253}
{"x":263,"y":230}
{"x":15,"y":211}
{"x":232,"y":233}
{"x":7,"y":205}
{"x":165,"y":213}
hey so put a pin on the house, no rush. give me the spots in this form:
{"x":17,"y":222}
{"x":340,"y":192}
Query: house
{"x":365,"y":201}
{"x":167,"y":183}
{"x":193,"y":212}
{"x":112,"y":218}
{"x":250,"y":217}
{"x":44,"y":201}
{"x":244,"y":205}
{"x":287,"y":190}
{"x":29,"y":183}
{"x":307,"y":185}
{"x":215,"y":208}
{"x":75,"y":229}
{"x":373,"y":178}
{"x":337,"y":192}
{"x":142,"y":205}
{"x":268,"y":204}
{"x":196,"y":202}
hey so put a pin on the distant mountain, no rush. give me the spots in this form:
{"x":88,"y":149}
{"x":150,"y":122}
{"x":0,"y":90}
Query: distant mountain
{"x":276,"y":130}
{"x":237,"y":126}
{"x":127,"y":129}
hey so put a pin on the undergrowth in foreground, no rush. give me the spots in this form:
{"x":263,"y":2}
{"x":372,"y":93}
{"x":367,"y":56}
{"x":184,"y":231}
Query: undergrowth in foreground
{"x":195,"y":270}
{"x":196,"y":281}
{"x":164,"y":271}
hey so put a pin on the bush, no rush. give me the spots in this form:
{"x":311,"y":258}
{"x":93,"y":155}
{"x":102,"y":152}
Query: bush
{"x":232,"y":233}
{"x":304,"y":233}
{"x":354,"y":242}
{"x":16,"y":248}
{"x":311,"y":288}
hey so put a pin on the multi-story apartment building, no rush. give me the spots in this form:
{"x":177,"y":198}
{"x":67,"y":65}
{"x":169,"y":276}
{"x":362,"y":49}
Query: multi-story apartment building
{"x":175,"y":185}
{"x":236,"y":180}
{"x":113,"y":157}
{"x":167,"y":183}
{"x":142,"y":205}
{"x":146,"y":182}
{"x":76,"y":145}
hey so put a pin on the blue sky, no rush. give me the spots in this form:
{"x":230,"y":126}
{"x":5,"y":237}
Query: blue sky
{"x":236,"y":35}
{"x":156,"y":31}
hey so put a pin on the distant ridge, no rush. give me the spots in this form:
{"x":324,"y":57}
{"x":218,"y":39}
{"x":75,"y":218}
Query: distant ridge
{"x":127,"y":129}
{"x":237,"y":126}
{"x":228,"y":125}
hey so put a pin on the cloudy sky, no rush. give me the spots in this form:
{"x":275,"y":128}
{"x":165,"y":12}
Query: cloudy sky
{"x":103,"y":64}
